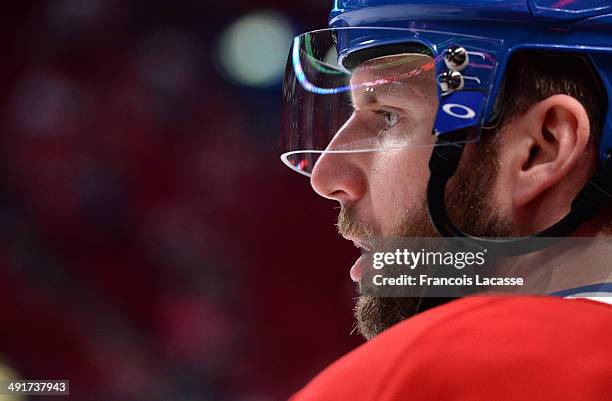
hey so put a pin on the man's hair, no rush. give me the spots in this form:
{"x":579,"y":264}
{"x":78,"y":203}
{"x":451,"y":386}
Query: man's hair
{"x":532,"y":76}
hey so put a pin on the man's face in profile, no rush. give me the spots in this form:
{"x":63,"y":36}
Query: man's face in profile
{"x":382,"y":192}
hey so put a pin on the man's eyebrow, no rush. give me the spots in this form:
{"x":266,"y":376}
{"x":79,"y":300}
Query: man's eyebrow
{"x":366,"y":97}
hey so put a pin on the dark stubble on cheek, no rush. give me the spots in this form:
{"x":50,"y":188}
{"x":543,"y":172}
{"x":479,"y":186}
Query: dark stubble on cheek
{"x":468,"y":206}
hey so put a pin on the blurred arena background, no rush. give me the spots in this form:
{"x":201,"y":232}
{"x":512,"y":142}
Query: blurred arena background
{"x":153,"y":245}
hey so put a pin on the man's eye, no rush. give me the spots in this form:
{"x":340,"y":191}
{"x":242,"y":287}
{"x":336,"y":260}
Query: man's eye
{"x":390,"y":118}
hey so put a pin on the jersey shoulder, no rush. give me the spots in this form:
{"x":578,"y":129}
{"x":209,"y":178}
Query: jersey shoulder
{"x":478,"y":348}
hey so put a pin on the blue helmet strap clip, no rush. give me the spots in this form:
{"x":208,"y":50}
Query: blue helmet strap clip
{"x":443,"y":163}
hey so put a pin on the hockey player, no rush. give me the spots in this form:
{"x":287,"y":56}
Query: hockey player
{"x":479,"y":120}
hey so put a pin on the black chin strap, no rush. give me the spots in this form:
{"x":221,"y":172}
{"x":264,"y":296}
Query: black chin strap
{"x":443,"y":164}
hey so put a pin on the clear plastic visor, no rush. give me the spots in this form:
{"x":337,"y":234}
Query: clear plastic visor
{"x":335,"y":104}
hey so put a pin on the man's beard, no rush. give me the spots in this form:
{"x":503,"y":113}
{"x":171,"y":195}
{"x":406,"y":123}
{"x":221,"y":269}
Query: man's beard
{"x":468,"y":205}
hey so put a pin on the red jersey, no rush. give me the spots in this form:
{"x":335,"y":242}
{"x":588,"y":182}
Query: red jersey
{"x":481,"y":348}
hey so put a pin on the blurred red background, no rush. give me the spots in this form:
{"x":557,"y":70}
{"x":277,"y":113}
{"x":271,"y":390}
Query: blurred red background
{"x":153,"y":245}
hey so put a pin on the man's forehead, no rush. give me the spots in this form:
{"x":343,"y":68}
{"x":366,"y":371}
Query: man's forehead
{"x":399,"y":73}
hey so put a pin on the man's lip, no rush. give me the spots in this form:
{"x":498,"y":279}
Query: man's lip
{"x":365,"y":248}
{"x":360,"y":244}
{"x":357,"y":269}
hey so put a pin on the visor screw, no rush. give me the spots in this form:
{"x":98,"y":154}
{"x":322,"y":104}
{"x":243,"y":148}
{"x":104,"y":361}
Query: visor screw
{"x":456,"y":58}
{"x":451,"y":81}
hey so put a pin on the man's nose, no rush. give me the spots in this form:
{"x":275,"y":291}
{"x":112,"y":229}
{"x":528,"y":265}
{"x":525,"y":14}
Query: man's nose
{"x":339,"y":176}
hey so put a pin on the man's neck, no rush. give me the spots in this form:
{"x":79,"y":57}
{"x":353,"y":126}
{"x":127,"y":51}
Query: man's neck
{"x":572,"y":263}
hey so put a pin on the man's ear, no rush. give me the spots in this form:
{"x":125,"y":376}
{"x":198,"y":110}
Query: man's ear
{"x":555,"y":134}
